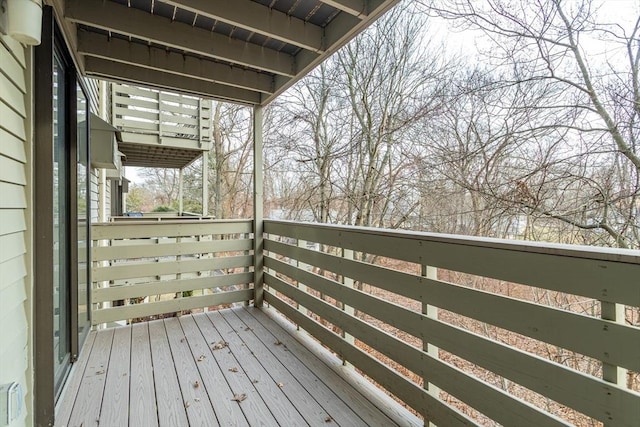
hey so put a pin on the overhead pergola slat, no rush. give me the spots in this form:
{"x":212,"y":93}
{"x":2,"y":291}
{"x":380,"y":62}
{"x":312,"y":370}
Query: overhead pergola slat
{"x":352,"y":7}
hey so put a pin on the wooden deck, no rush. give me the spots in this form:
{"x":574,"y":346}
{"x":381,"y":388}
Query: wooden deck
{"x":231,"y":367}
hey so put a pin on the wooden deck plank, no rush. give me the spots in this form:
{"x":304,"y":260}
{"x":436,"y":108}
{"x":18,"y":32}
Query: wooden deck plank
{"x":142,"y":375}
{"x":366,"y":409}
{"x":213,"y":380}
{"x":253,"y":407}
{"x":277,"y":402}
{"x":318,"y":379}
{"x":115,"y":400}
{"x":143,"y":410}
{"x":171,"y":411}
{"x":196,"y":400}
{"x":68,"y":398}
{"x":297,"y":394}
{"x":86,"y":411}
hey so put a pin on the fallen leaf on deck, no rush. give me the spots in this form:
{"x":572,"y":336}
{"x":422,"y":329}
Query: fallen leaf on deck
{"x":328,"y":420}
{"x":278,"y":343}
{"x":248,"y":329}
{"x":280,"y":385}
{"x":234,"y":369}
{"x":196,"y":384}
{"x":197,"y":399}
{"x":220,"y":345}
{"x":100,"y":372}
{"x":239,"y":397}
{"x":255,"y":381}
{"x":186,"y":404}
{"x":201,"y":358}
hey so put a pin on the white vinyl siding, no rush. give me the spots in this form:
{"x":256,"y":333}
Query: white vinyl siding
{"x":14,"y":282}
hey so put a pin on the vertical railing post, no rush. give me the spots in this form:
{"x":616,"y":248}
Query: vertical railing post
{"x":258,"y":214}
{"x":430,"y":311}
{"x":180,"y":191}
{"x":348,"y":282}
{"x":613,"y":373}
{"x":301,"y":265}
{"x":205,"y":183}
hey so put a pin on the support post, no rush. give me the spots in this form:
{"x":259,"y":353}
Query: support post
{"x":432,"y":312}
{"x":180,"y":191}
{"x":258,"y":215}
{"x":205,"y":183}
{"x":302,"y":266}
{"x":348,"y":282}
{"x":613,"y":373}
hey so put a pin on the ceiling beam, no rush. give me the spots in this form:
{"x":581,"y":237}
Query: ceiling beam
{"x":126,"y":73}
{"x":137,"y":23}
{"x":337,"y":33}
{"x":255,"y":17}
{"x":115,"y":49}
{"x":352,"y":7}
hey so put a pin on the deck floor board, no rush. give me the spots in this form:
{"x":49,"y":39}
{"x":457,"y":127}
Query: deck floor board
{"x":191,"y":371}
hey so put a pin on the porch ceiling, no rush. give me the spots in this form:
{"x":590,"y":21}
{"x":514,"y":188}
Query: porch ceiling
{"x":246,"y":51}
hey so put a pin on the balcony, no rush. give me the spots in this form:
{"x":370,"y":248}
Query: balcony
{"x":160,"y":129}
{"x":443,"y":323}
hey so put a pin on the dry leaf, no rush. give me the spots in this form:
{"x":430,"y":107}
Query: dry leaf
{"x":239,"y":397}
{"x":278,"y":342}
{"x":280,"y":385}
{"x":328,"y":420}
{"x":255,"y":381}
{"x":197,"y":399}
{"x":234,"y":369}
{"x":196,"y":384}
{"x":186,"y":404}
{"x":201,"y":358}
{"x":220,"y":345}
{"x":100,"y":372}
{"x":248,"y":329}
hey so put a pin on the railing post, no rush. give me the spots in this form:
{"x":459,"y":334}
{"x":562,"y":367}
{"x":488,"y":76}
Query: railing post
{"x":613,"y":373}
{"x":301,"y":265}
{"x":432,"y":312}
{"x":258,"y":214}
{"x":348,"y":282}
{"x":180,"y":191}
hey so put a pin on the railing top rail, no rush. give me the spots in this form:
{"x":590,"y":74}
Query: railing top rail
{"x":558,"y":249}
{"x":171,"y":222}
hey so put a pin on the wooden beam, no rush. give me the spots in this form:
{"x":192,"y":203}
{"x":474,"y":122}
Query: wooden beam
{"x":352,"y":7}
{"x":114,"y":71}
{"x":338,"y":32}
{"x":260,"y":19}
{"x":111,"y":16}
{"x":119,"y":50}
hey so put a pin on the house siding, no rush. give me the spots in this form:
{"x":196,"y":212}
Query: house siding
{"x":15,"y":287}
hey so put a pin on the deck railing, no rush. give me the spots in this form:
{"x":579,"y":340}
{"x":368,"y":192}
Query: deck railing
{"x":150,"y":268}
{"x":526,"y":334}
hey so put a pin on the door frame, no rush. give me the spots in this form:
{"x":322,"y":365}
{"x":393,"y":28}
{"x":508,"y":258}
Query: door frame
{"x":45,"y":389}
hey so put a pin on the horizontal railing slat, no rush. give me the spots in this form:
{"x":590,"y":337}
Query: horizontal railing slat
{"x":487,"y":399}
{"x":153,"y":229}
{"x":115,"y":293}
{"x":150,"y":249}
{"x":161,"y":307}
{"x":135,"y":270}
{"x":601,"y":339}
{"x":590,"y":395}
{"x":394,"y":281}
{"x":603,"y":275}
{"x":408,"y":392}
